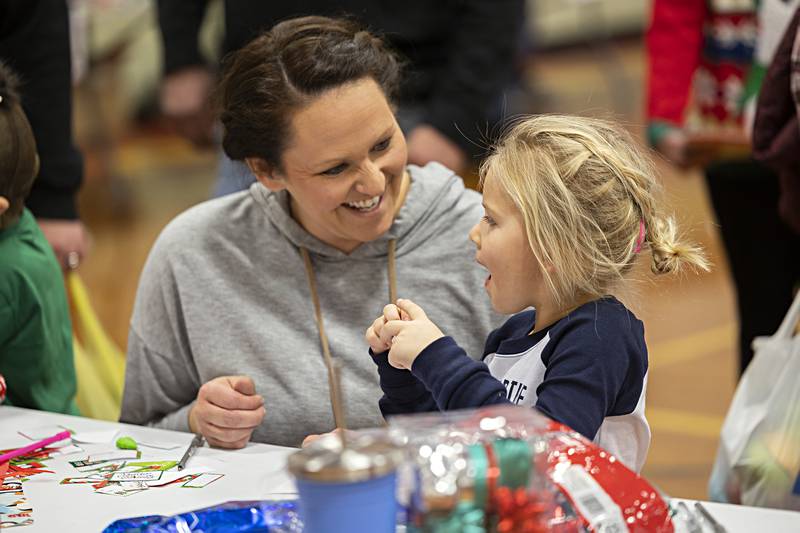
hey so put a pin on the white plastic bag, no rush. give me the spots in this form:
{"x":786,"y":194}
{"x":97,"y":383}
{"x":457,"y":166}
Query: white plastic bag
{"x":758,"y":460}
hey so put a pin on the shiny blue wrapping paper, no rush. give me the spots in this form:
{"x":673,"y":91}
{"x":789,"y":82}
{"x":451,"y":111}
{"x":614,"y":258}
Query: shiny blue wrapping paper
{"x":268,"y":516}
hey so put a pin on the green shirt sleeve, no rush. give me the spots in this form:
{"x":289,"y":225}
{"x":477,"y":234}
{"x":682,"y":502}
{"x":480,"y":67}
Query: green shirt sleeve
{"x":6,"y":321}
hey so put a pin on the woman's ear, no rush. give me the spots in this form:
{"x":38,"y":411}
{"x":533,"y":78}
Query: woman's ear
{"x":265,"y":174}
{"x":4,"y":205}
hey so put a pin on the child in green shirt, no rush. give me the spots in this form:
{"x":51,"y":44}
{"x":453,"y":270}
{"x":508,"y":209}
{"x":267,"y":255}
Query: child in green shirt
{"x":36,"y":356}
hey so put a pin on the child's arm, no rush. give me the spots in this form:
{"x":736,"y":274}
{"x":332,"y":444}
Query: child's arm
{"x":455,"y":380}
{"x":446,"y":376}
{"x":402,"y":392}
{"x":592,"y":375}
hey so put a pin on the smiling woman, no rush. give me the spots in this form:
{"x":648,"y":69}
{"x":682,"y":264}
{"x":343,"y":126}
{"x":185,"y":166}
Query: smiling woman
{"x":224,"y":339}
{"x":345,"y":167}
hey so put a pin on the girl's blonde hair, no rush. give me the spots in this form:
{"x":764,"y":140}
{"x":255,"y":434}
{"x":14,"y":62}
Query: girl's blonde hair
{"x":586,"y":193}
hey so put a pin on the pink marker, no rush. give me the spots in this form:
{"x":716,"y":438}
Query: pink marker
{"x":35,"y":446}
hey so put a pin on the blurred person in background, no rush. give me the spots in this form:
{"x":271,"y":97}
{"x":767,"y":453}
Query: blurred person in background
{"x":706,"y":62}
{"x":776,"y":133}
{"x":35,"y":42}
{"x":36,"y":355}
{"x":460,"y":54}
{"x":224,"y":339}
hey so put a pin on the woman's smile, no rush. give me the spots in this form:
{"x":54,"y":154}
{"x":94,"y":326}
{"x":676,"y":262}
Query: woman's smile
{"x":366,"y":207}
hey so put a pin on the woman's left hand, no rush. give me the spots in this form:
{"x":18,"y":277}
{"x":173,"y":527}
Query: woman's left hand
{"x":408,"y":337}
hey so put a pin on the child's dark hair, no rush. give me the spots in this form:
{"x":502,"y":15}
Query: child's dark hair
{"x":19,"y":163}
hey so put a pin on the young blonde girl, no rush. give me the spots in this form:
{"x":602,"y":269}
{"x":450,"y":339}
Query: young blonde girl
{"x":570,"y":203}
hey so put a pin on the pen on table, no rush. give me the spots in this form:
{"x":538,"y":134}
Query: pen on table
{"x":197,"y":441}
{"x":692,"y":522}
{"x":716,"y":526}
{"x":35,"y":446}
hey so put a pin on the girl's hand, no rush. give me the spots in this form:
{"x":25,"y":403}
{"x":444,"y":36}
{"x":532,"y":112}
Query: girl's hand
{"x":406,"y":338}
{"x":311,"y":438}
{"x":373,"y":335}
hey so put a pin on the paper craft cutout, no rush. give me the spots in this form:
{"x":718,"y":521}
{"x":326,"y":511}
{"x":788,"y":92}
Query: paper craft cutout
{"x":89,"y":480}
{"x":117,"y":490}
{"x":14,"y":507}
{"x":135,"y":476}
{"x":104,"y":436}
{"x":115,"y":455}
{"x":69,"y":449}
{"x":202,"y":480}
{"x":41,"y":432}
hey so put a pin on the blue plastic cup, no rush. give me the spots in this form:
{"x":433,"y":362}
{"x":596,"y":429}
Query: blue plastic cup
{"x":365,"y":506}
{"x":347,"y":491}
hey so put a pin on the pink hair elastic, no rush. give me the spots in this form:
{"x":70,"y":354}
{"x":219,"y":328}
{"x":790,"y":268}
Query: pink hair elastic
{"x":640,"y":239}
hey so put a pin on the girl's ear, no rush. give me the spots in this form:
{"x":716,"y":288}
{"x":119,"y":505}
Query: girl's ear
{"x":265,"y":174}
{"x":4,"y":205}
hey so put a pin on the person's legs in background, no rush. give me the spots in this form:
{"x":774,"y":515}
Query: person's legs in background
{"x":764,"y":254}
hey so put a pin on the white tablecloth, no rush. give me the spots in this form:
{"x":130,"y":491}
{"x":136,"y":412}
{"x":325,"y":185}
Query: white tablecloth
{"x":255,"y":472}
{"x":743,"y":519}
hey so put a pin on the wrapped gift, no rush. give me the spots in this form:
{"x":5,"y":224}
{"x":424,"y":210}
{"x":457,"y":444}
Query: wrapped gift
{"x":510,"y":468}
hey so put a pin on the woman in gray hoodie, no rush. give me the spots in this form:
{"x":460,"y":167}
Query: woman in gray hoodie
{"x":245,"y":299}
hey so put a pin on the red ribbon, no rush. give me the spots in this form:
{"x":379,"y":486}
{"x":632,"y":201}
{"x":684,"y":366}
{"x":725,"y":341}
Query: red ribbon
{"x":519,"y":511}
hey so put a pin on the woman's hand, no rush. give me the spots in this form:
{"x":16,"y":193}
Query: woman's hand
{"x":407,"y":334}
{"x":226,"y":411}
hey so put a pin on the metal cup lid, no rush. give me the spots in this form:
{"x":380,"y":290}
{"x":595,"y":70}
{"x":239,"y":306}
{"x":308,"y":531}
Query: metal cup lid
{"x":365,"y":457}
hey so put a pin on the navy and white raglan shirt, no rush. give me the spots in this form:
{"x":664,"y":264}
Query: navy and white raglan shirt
{"x":588,"y":370}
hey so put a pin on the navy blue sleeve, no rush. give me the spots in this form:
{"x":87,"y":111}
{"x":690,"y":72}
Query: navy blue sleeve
{"x":595,"y":368}
{"x":402,"y":392}
{"x":454,"y":380}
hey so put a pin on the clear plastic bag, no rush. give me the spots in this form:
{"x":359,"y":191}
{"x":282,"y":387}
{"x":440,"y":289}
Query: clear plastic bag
{"x":509,"y":468}
{"x":758,"y":460}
